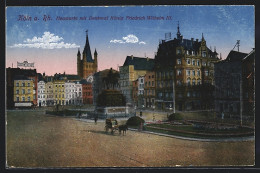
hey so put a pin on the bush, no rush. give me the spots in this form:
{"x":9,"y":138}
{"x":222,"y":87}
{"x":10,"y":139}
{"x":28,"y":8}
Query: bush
{"x":175,"y":116}
{"x":134,"y":121}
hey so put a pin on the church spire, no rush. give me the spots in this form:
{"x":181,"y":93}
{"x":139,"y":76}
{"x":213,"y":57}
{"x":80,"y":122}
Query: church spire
{"x":202,"y":37}
{"x":178,"y":32}
{"x":95,"y":53}
{"x":78,"y":52}
{"x":87,"y":50}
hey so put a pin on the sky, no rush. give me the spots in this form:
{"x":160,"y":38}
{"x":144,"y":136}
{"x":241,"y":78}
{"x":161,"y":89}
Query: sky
{"x":43,"y":36}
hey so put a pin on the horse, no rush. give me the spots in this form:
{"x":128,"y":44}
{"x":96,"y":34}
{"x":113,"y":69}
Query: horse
{"x":123,"y":128}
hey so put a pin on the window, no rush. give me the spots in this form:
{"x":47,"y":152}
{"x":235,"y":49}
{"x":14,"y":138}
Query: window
{"x":193,"y":72}
{"x":179,"y":72}
{"x":188,"y":81}
{"x":29,"y":91}
{"x":178,"y":61}
{"x":198,"y":82}
{"x":29,"y":84}
{"x":28,"y":98}
{"x":23,"y":99}
{"x":198,"y":62}
{"x":23,"y":84}
{"x":17,"y":99}
{"x":23,"y":91}
{"x":188,"y":61}
{"x":145,"y":83}
{"x":198,"y":72}
{"x":17,"y":84}
{"x":193,"y":81}
{"x":17,"y":91}
{"x":209,"y":64}
{"x":142,"y":81}
{"x":171,"y":73}
{"x":149,"y":83}
{"x":204,"y":54}
{"x":206,"y":72}
{"x":152,"y":83}
{"x":204,"y":63}
{"x":178,"y":51}
{"x":193,"y":62}
{"x":188,"y":94}
{"x":162,"y":74}
{"x":188,"y":72}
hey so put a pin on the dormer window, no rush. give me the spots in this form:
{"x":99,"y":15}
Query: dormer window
{"x":204,"y":54}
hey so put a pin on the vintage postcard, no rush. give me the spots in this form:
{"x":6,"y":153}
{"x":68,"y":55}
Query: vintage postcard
{"x":130,"y":86}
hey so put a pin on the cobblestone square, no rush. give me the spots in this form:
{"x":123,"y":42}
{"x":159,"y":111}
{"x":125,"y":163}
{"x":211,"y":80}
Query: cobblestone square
{"x":35,"y":139}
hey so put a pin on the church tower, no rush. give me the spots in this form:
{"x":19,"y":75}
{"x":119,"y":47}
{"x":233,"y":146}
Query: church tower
{"x":87,"y":66}
{"x":95,"y":60}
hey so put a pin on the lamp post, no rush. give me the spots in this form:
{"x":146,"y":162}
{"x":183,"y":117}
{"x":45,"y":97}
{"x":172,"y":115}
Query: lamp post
{"x":173,"y":94}
{"x":240,"y":97}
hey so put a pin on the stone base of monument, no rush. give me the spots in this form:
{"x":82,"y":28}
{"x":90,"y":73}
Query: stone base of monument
{"x":116,"y":112}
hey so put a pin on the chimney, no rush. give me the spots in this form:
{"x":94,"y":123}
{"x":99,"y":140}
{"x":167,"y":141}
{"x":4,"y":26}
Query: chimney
{"x":132,"y":57}
{"x":197,"y":40}
{"x":192,"y":39}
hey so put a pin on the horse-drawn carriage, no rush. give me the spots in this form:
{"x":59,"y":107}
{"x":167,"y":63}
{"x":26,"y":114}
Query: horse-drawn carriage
{"x":112,"y":124}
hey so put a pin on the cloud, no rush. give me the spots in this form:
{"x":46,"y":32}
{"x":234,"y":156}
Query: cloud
{"x":116,"y":41}
{"x":47,"y":41}
{"x":128,"y":39}
{"x":131,"y":39}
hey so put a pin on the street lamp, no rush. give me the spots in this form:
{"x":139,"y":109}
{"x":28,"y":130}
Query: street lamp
{"x":240,"y":97}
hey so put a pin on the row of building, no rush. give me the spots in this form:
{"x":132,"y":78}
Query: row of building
{"x":184,"y":75}
{"x":26,"y":88}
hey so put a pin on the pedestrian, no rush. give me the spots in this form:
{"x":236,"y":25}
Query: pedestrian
{"x":95,"y":119}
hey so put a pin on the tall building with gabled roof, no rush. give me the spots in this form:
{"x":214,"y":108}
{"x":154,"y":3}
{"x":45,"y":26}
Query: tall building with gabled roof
{"x":133,"y":68}
{"x":189,"y":65}
{"x":86,"y":65}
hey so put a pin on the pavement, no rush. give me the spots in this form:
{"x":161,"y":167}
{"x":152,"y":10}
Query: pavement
{"x":233,"y":139}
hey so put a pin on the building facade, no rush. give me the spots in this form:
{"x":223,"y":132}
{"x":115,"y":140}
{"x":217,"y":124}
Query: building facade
{"x":133,"y":68}
{"x":42,"y":94}
{"x":78,"y":93}
{"x":49,"y":94}
{"x":228,"y":84}
{"x":23,"y":91}
{"x":182,"y":68}
{"x":149,"y":89}
{"x":248,"y":81}
{"x":87,"y":93}
{"x":10,"y":74}
{"x":86,"y":65}
{"x":59,"y":92}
